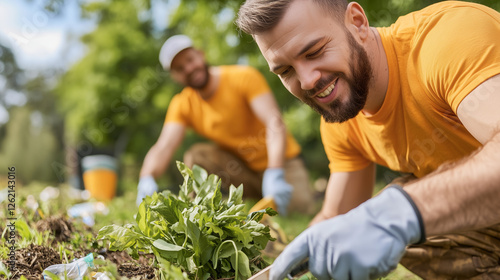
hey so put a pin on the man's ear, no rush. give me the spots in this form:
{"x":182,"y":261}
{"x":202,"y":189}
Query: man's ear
{"x":356,"y":21}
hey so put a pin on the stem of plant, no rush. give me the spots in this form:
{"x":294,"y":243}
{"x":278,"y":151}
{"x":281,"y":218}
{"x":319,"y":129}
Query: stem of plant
{"x":235,"y":251}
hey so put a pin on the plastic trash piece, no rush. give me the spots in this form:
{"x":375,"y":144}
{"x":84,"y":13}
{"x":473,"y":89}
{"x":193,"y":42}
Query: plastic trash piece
{"x":74,"y":271}
{"x":87,"y":210}
{"x":101,"y":276}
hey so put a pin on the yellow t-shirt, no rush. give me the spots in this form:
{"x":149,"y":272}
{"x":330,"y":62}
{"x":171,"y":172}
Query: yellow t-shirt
{"x":436,"y":56}
{"x":227,"y":118}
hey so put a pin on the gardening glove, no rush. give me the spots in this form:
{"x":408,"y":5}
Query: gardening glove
{"x":147,"y":186}
{"x":275,"y":186}
{"x":365,"y":243}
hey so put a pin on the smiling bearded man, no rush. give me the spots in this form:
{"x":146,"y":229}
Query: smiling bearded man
{"x":361,"y":70}
{"x":419,"y":97}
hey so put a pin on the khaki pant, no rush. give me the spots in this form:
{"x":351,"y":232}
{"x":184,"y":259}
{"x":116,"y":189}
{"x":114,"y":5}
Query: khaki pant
{"x":233,"y":170}
{"x":468,"y":255}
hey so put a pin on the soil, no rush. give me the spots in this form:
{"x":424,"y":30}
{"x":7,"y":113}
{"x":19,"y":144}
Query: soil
{"x":32,"y":260}
{"x":129,"y":267}
{"x":59,"y":227}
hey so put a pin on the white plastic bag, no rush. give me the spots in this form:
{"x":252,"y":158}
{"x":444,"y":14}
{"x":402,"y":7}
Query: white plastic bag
{"x":74,"y":270}
{"x":101,"y":276}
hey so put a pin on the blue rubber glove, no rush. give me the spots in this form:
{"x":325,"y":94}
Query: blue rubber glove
{"x":274,"y":185}
{"x":365,"y":243}
{"x":147,"y":186}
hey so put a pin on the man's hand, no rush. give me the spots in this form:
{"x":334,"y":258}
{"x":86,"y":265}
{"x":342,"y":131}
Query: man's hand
{"x":365,"y":243}
{"x":274,"y":185}
{"x":147,"y":186}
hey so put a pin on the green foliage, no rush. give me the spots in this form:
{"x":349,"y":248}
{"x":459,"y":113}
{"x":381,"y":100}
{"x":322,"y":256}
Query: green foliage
{"x":205,"y":235}
{"x":4,"y":270}
{"x":31,"y":149}
{"x":109,"y":96}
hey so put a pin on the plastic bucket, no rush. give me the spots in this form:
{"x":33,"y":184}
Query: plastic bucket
{"x":100,"y":176}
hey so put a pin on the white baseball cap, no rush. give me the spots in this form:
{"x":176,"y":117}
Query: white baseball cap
{"x":173,"y":46}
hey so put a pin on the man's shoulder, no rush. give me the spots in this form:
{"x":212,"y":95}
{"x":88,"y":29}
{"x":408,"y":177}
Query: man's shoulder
{"x":185,"y":94}
{"x":335,"y":129}
{"x":443,"y":14}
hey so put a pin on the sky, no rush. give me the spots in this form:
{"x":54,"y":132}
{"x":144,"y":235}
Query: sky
{"x":41,"y":40}
{"x":37,"y":37}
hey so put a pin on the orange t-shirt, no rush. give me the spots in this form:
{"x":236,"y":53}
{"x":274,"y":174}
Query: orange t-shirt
{"x":227,"y":117}
{"x":436,"y":56}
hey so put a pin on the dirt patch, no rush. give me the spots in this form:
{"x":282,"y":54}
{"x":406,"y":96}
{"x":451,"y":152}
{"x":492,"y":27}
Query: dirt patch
{"x":130,"y":268}
{"x":32,"y":260}
{"x":59,"y":227}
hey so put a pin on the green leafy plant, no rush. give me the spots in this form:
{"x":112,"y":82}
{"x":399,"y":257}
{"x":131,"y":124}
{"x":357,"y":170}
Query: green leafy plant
{"x":206,"y":236}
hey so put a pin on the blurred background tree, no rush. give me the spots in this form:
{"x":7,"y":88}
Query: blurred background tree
{"x":115,"y":98}
{"x":31,"y":137}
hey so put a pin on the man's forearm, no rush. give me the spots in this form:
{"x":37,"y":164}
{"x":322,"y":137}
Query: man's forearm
{"x":276,"y":144}
{"x":155,"y":163}
{"x":345,"y":191}
{"x":461,"y":196}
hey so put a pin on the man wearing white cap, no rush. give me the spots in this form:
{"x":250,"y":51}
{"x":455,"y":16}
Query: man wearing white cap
{"x":231,"y":105}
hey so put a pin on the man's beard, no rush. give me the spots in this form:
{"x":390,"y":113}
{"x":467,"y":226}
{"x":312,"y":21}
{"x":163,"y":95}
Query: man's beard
{"x":202,"y":83}
{"x":361,"y":70}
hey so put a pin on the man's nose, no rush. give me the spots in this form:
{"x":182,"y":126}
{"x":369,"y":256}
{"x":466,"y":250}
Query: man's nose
{"x":308,"y":77}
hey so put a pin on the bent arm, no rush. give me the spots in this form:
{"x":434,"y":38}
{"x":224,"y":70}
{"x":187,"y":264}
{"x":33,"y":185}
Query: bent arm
{"x":345,"y":191}
{"x":465,"y":195}
{"x":160,"y":154}
{"x":267,"y":110}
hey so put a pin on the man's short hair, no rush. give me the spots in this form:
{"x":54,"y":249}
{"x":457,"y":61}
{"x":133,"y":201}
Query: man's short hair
{"x":257,"y":16}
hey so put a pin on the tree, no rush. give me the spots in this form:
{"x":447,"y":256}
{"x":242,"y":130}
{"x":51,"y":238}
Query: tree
{"x":30,"y":147}
{"x":114,"y":94}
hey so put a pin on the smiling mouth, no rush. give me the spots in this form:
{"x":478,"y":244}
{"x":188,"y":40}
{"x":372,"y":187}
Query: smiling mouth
{"x":328,"y":90}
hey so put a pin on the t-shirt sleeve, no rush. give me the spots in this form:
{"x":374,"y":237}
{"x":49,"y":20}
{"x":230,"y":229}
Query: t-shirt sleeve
{"x":178,"y":111}
{"x":252,"y":83}
{"x":461,"y":49}
{"x":342,"y":155}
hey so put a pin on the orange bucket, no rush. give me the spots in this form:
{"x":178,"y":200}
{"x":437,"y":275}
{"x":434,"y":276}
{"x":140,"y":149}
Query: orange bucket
{"x":100,"y":176}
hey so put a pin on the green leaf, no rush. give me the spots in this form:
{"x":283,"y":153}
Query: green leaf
{"x":200,"y":175}
{"x":188,"y":185}
{"x":240,"y":233}
{"x":234,"y":213}
{"x":165,"y":246}
{"x":226,"y":265}
{"x":235,"y":195}
{"x":4,"y":270}
{"x":171,"y":209}
{"x":215,"y":229}
{"x":170,"y":271}
{"x":241,"y":265}
{"x":206,"y":191}
{"x":201,"y":245}
{"x":23,"y":230}
{"x":51,"y":275}
{"x":217,"y":197}
{"x":244,"y":265}
{"x":142,"y":218}
{"x":121,"y":237}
